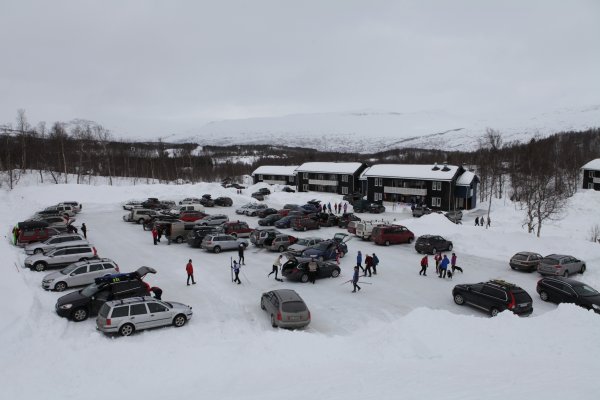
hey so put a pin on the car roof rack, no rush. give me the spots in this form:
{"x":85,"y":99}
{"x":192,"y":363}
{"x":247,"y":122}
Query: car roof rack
{"x":503,"y":283}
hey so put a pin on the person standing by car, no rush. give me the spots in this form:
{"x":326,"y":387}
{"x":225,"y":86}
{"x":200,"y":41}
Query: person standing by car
{"x":189,"y":268}
{"x":368,"y":265}
{"x":444,"y":266}
{"x":375,"y":262}
{"x":241,"y":259}
{"x":359,"y":260}
{"x":84,"y":231}
{"x":437,"y":258}
{"x":236,"y":271}
{"x":453,"y":264}
{"x":424,"y":265}
{"x":155,"y":235}
{"x":276,"y":265}
{"x":355,"y":280}
{"x":312,"y":269}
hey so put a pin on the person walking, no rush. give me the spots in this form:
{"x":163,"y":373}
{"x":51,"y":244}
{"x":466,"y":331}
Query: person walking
{"x":424,"y":265}
{"x":236,"y":271}
{"x":489,"y":222}
{"x":329,"y":207}
{"x":345,"y":208}
{"x":241,"y":249}
{"x":453,"y":264}
{"x":375,"y":263}
{"x":444,"y":266}
{"x":312,"y":269}
{"x":359,"y":261}
{"x":355,"y":280}
{"x":477,"y":221}
{"x":155,"y":235}
{"x":276,"y":265}
{"x":437,"y":258}
{"x":189,"y":268}
{"x":368,"y":264}
{"x":159,"y":230}
{"x":84,"y":230}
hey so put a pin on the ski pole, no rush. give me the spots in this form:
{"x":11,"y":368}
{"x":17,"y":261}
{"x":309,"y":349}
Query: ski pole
{"x":343,"y":283}
{"x":231,"y":267}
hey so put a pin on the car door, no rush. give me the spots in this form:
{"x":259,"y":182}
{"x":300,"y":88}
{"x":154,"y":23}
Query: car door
{"x":470,"y":293}
{"x":139,"y":316}
{"x":96,"y":270}
{"x":79,"y":277}
{"x":59,"y":257}
{"x":323,"y":270}
{"x":160,"y":314}
{"x":492,"y":297}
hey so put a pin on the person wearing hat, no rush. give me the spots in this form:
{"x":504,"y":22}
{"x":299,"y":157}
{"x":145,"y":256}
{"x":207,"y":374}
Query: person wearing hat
{"x":312,"y":269}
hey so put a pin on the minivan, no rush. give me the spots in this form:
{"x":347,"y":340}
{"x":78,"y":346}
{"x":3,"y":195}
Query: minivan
{"x":365,"y":228}
{"x":391,"y":234}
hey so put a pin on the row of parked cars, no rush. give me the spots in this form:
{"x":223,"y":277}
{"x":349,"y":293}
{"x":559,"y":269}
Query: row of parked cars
{"x":46,"y":223}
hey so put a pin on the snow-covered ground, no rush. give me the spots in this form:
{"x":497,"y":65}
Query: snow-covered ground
{"x":402,"y":337}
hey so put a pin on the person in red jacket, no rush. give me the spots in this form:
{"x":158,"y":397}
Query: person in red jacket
{"x":155,"y":235}
{"x":424,"y":265}
{"x":189,"y":268}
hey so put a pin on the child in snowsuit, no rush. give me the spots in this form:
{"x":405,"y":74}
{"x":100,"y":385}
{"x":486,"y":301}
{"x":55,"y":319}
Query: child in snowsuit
{"x":355,"y":279}
{"x":424,"y":265}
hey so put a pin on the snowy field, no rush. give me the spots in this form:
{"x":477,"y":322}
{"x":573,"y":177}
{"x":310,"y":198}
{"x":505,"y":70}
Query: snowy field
{"x":402,"y":337}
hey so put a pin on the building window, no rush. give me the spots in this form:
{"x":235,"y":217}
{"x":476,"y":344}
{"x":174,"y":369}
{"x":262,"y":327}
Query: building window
{"x":590,"y":185}
{"x":436,"y":202}
{"x":260,"y":177}
{"x":378,"y":182}
{"x":344,"y":189}
{"x":344,"y":178}
{"x":436,"y":186}
{"x":333,"y":177}
{"x":305,"y":188}
{"x":591,"y":174}
{"x":378,"y":197}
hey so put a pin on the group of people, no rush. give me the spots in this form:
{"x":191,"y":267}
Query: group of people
{"x":482,"y":221}
{"x":337,"y":208}
{"x":444,"y":267}
{"x":371,"y":262}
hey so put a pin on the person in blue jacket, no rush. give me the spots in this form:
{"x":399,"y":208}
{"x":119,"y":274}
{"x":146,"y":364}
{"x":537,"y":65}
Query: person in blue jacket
{"x":444,"y":266}
{"x":355,"y":280}
{"x":359,"y":260}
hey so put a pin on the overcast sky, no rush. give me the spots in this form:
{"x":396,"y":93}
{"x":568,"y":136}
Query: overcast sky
{"x":151,"y":68}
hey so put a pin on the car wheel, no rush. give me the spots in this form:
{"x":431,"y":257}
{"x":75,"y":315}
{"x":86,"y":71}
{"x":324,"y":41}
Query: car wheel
{"x":410,"y":239}
{"x":281,"y":249}
{"x":458,"y":299}
{"x":40,"y":266}
{"x":433,"y":250}
{"x":273,"y":321}
{"x":60,"y":286}
{"x":304,"y":278}
{"x":126,"y":330}
{"x":387,"y":243}
{"x":38,"y":251}
{"x":512,"y":267}
{"x":141,"y":221}
{"x":494,"y":311}
{"x":450,"y":247}
{"x":335,"y":273}
{"x":262,"y":304}
{"x":544,"y":295}
{"x":79,"y":314}
{"x":582,"y":269}
{"x":566,"y":273}
{"x":217,"y":249}
{"x":179,"y":320}
{"x":179,"y":239}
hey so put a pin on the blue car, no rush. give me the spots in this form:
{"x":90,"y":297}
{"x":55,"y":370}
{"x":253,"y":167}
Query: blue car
{"x":326,"y":250}
{"x":284,"y":222}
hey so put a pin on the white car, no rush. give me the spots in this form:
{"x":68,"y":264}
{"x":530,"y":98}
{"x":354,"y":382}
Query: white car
{"x":242,"y":209}
{"x":190,"y":200}
{"x":63,"y":240}
{"x":130,"y":205}
{"x":79,"y":274}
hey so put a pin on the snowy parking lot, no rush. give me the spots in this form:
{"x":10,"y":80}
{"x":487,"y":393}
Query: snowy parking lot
{"x":401,"y":336}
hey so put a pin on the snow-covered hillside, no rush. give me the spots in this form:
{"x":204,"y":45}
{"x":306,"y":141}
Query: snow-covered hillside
{"x":375,"y":131}
{"x":401,"y":336}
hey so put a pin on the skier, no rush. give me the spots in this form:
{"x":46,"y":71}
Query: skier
{"x":359,"y":260}
{"x":444,"y":266}
{"x":453,"y":263}
{"x":355,"y":280}
{"x":424,"y":265}
{"x":375,"y":262}
{"x":241,"y":249}
{"x":236,"y":271}
{"x":189,"y":268}
{"x":312,"y":269}
{"x":368,"y":265}
{"x":476,"y":221}
{"x":276,"y":265}
{"x":84,"y":230}
{"x":437,"y":258}
{"x":155,"y":235}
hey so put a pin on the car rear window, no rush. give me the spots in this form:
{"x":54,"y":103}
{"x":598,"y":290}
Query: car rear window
{"x":521,"y":296}
{"x":520,"y":257}
{"x":293,"y":306}
{"x":104,"y":310}
{"x":549,"y":260}
{"x":585,"y":290}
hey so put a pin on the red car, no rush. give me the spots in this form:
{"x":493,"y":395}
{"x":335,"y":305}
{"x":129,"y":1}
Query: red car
{"x":35,"y":235}
{"x":391,"y":234}
{"x":191,"y":216}
{"x":303,"y":224}
{"x":237,"y":229}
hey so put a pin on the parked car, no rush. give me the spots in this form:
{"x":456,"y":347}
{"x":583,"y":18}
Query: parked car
{"x":419,"y":211}
{"x":220,"y":242}
{"x":326,"y":250}
{"x":431,"y":244}
{"x":176,"y":231}
{"x":494,"y":297}
{"x":559,"y":264}
{"x":214,"y":220}
{"x":258,"y":236}
{"x":31,"y":224}
{"x":190,"y":200}
{"x":79,"y":274}
{"x":309,"y":208}
{"x":139,"y":215}
{"x":258,"y":196}
{"x":60,"y":257}
{"x":77,"y":206}
{"x":391,"y":234}
{"x":64,"y":239}
{"x":27,"y":236}
{"x":564,"y":290}
{"x":285,"y":308}
{"x":351,"y":227}
{"x":284,"y":222}
{"x":254,"y":209}
{"x":191,"y":216}
{"x":525,"y":261}
{"x":187,"y":207}
{"x":265,"y":212}
{"x":269,"y":220}
{"x":167,"y":204}
{"x":130,"y":205}
{"x":287,"y":208}
{"x":364,"y":229}
{"x":242,"y":209}
{"x":159,"y":220}
{"x":62,"y":210}
{"x":207,"y":201}
{"x":57,"y":220}
{"x":352,"y":197}
{"x":81,"y":304}
{"x":224,"y":201}
{"x":328,"y":220}
{"x":288,"y":189}
{"x":454,"y":216}
{"x":304,"y":224}
{"x":237,"y":229}
{"x":302,"y":244}
{"x":367,"y":206}
{"x":46,"y":213}
{"x":279,"y":242}
{"x":196,"y":236}
{"x":264,"y":191}
{"x":296,"y":269}
{"x":137,"y":313}
{"x":345,"y":219}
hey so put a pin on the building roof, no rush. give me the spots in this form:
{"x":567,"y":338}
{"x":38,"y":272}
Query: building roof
{"x":411,"y":171}
{"x":330,"y":167}
{"x":465,"y":179}
{"x":287,"y":170}
{"x":594,"y":165}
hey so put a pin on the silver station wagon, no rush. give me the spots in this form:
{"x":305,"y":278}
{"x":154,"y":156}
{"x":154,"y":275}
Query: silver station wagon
{"x":559,"y":264}
{"x":137,"y":313}
{"x":285,"y":308}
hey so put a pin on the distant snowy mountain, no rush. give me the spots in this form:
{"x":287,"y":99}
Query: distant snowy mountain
{"x":376,"y":131}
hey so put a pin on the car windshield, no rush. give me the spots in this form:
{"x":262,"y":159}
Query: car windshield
{"x":69,"y":269}
{"x":293,"y":306}
{"x":90,"y":290}
{"x":585,"y":291}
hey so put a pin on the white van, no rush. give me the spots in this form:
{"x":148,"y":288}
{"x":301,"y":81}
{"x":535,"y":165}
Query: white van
{"x":189,"y":207}
{"x":365,"y":228}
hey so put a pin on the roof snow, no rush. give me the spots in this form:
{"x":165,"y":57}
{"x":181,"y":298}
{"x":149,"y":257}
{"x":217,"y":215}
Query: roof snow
{"x":465,"y":179}
{"x":411,"y":171}
{"x":594,"y":165}
{"x":330,"y":167}
{"x":287,"y":170}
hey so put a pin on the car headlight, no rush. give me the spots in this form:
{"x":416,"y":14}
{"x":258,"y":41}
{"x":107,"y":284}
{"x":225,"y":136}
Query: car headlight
{"x":596,"y":306}
{"x":49,"y":280}
{"x":66,"y":306}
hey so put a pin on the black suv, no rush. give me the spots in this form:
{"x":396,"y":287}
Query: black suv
{"x":564,"y":290}
{"x":223,"y":201}
{"x":345,"y":219}
{"x":431,"y":244}
{"x":367,"y":206}
{"x":83,"y":303}
{"x":196,"y":236}
{"x":494,"y":297}
{"x":264,"y":191}
{"x":207,"y":200}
